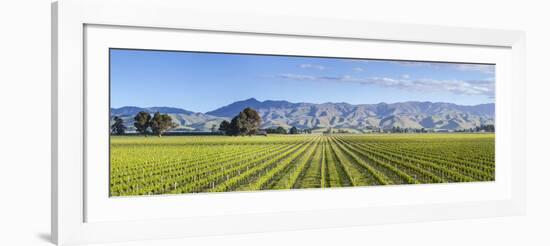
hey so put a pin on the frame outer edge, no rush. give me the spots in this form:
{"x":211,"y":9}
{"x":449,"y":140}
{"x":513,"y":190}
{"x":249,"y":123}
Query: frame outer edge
{"x":54,"y":125}
{"x":67,"y":164}
{"x":310,"y":26}
{"x":69,"y":17}
{"x":519,"y":194}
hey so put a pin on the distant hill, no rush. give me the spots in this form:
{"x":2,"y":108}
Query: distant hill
{"x":233,"y":109}
{"x":187,"y":120}
{"x":336,"y":115}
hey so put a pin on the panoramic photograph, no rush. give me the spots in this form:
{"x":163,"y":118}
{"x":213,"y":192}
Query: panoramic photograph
{"x":201,"y":122}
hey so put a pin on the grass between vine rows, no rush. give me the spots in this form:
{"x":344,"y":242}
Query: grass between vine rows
{"x":196,"y":164}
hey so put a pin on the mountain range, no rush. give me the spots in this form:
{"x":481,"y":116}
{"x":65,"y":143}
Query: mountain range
{"x":355,"y":118}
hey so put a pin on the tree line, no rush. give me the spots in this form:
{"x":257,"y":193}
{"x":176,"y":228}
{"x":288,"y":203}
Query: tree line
{"x":482,"y":128}
{"x":397,"y":129}
{"x":282,"y":130}
{"x":248,"y":123}
{"x":158,"y":124}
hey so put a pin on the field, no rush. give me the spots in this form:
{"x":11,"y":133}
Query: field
{"x":191,"y":164}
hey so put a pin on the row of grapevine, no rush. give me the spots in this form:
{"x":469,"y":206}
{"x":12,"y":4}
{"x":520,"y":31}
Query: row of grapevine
{"x":148,"y":166}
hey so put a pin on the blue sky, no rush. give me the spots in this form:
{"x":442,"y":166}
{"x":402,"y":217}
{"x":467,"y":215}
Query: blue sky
{"x":202,"y":82}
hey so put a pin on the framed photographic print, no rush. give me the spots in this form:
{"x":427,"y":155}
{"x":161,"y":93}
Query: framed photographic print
{"x":321,"y":122}
{"x":169,"y":125}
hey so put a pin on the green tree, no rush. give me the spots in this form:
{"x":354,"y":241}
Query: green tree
{"x":118,"y":126}
{"x":142,"y":121}
{"x":293,"y":130}
{"x":161,"y":123}
{"x":278,"y":130}
{"x":281,"y":130}
{"x":251,"y":121}
{"x":224,"y":126}
{"x":247,"y":122}
{"x":234,"y":128}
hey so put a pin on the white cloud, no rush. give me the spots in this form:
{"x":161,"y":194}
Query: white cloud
{"x":358,"y":69}
{"x":482,"y":68}
{"x":297,"y":77}
{"x":488,"y":69}
{"x":405,"y":76}
{"x":314,"y":66}
{"x":460,"y":87}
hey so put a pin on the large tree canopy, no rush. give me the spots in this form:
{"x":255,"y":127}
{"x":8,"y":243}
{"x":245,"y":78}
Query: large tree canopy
{"x":252,"y":122}
{"x":142,"y":120}
{"x":224,"y":126}
{"x":118,"y":126}
{"x":247,"y":122}
{"x":161,"y":123}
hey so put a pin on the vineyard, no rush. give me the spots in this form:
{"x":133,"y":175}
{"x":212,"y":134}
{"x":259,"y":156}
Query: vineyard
{"x":191,"y":164}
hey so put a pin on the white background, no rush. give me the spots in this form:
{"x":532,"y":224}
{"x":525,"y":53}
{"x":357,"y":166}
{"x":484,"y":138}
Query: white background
{"x":25,"y":155}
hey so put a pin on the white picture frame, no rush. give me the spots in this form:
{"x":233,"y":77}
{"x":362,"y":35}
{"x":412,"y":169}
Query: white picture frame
{"x":76,"y":217}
